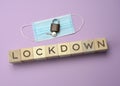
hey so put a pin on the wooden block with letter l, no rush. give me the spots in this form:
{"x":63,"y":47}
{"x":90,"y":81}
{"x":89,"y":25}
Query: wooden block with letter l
{"x":51,"y":51}
{"x":76,"y":47}
{"x":14,"y":56}
{"x":27,"y":54}
{"x":88,"y":46}
{"x":64,"y":49}
{"x":101,"y":44}
{"x":39,"y":52}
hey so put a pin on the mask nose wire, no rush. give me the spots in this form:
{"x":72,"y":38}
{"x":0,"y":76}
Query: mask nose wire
{"x":23,"y":34}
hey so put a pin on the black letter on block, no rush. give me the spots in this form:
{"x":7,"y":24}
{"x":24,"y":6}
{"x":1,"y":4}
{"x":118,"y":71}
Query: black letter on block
{"x":101,"y":44}
{"x":14,"y":56}
{"x":26,"y":51}
{"x":51,"y":50}
{"x":78,"y":47}
{"x":88,"y":45}
{"x":38,"y":52}
{"x":62,"y":48}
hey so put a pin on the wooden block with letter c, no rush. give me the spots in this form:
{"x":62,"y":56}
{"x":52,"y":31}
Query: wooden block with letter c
{"x":39,"y":53}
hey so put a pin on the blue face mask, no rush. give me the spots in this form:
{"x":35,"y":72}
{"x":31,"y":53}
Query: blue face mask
{"x":41,"y":29}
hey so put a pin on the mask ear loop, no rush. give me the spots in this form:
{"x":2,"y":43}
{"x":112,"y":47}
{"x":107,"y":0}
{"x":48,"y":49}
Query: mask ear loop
{"x":23,"y":34}
{"x":80,"y":27}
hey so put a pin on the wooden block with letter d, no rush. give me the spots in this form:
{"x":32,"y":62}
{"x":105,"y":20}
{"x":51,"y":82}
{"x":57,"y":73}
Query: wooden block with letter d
{"x":100,"y":44}
{"x":64,"y":49}
{"x":88,"y":46}
{"x":27,"y":54}
{"x":51,"y":51}
{"x":14,"y":56}
{"x":39,"y":52}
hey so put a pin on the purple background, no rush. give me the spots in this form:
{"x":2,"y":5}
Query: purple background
{"x":102,"y":19}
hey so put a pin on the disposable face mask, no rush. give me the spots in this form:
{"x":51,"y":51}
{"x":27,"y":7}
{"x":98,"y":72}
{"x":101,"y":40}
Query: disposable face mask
{"x":41,"y":29}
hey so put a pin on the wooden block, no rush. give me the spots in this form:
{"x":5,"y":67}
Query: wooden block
{"x":76,"y":47}
{"x":27,"y":54}
{"x":51,"y":51}
{"x":88,"y":46}
{"x":101,"y":44}
{"x":64,"y":49}
{"x":39,"y":52}
{"x":14,"y":56}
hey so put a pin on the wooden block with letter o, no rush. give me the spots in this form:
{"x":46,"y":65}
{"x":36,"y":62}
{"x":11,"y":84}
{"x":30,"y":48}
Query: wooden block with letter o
{"x":27,"y":54}
{"x":14,"y":56}
{"x":64,"y":49}
{"x":39,"y":52}
{"x":100,"y":44}
{"x":76,"y":47}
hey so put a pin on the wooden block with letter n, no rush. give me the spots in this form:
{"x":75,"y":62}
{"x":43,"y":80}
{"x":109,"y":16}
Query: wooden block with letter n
{"x":64,"y":49}
{"x":100,"y":44}
{"x":14,"y":56}
{"x":27,"y":54}
{"x":76,"y":47}
{"x":88,"y":46}
{"x":39,"y":52}
{"x":51,"y":51}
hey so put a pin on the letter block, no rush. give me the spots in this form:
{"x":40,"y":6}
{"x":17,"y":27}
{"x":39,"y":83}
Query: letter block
{"x":88,"y":46}
{"x":39,"y":52}
{"x":100,"y":44}
{"x":64,"y":49}
{"x":27,"y":54}
{"x":51,"y":51}
{"x":14,"y":56}
{"x":76,"y":47}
